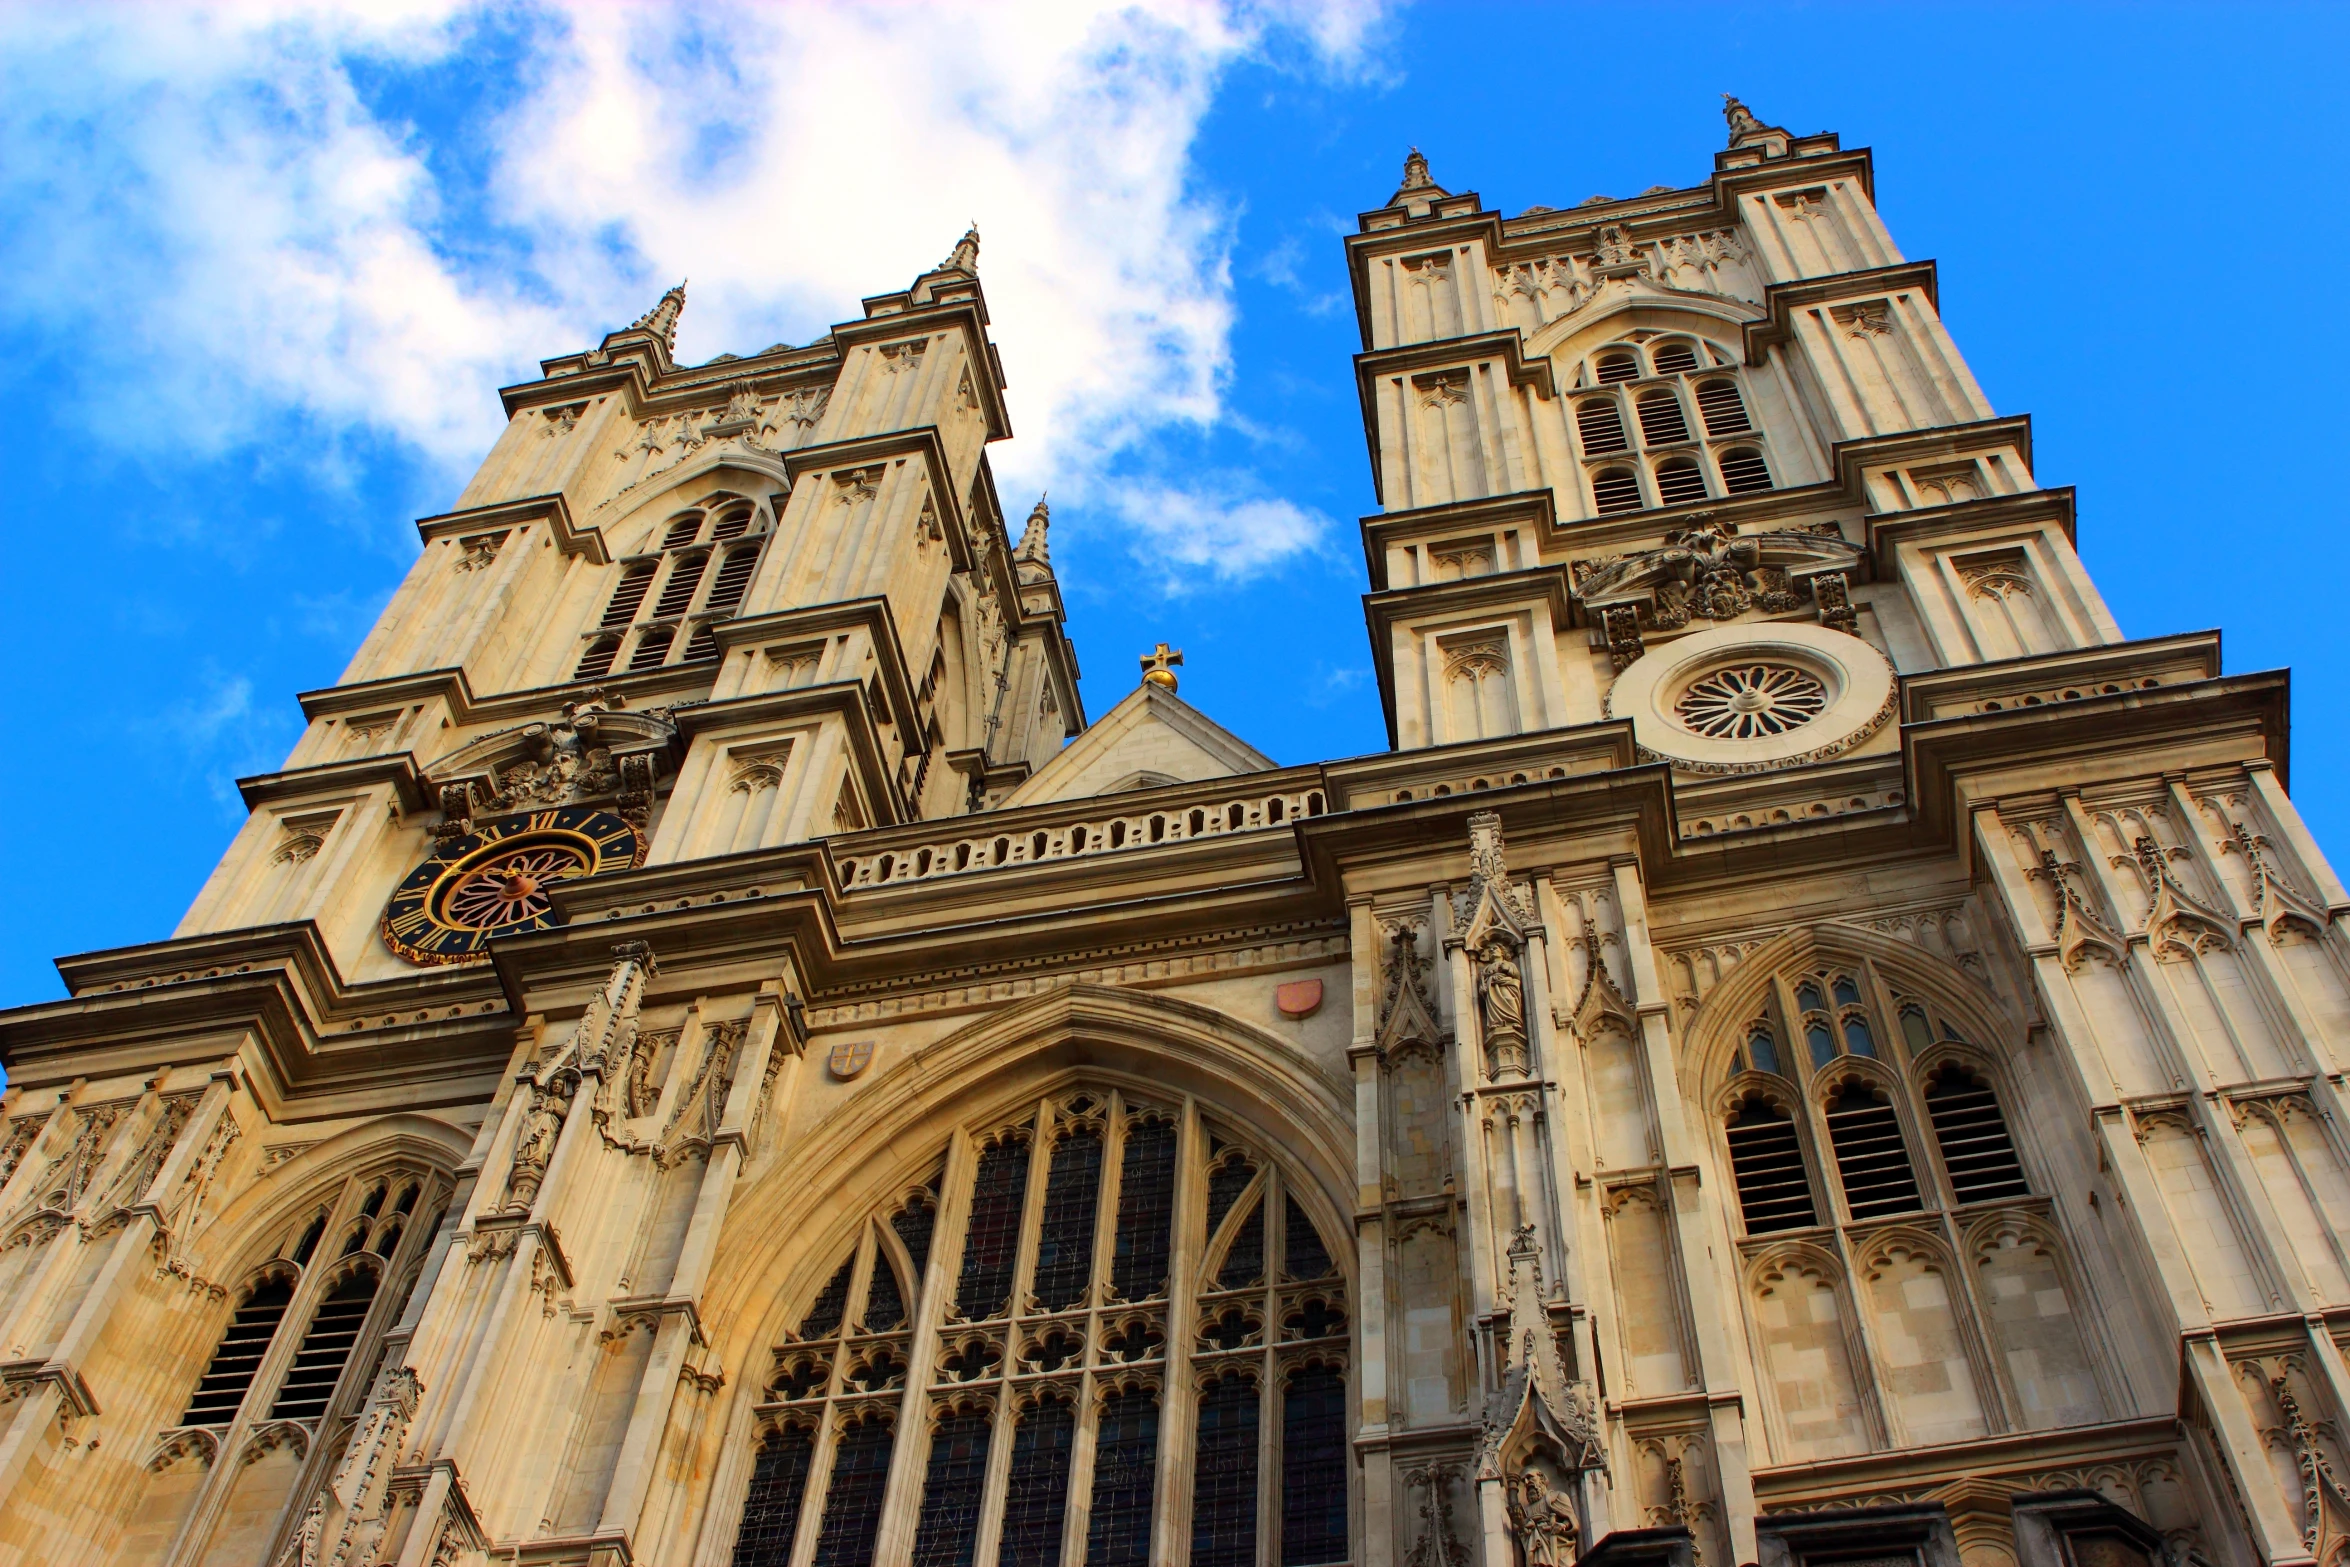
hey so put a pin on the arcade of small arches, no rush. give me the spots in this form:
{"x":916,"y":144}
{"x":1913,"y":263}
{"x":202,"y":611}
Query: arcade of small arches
{"x":1906,"y":1281}
{"x":1104,"y":1321}
{"x":1661,"y":421}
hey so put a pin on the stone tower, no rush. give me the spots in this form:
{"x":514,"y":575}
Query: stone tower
{"x":1810,"y":1046}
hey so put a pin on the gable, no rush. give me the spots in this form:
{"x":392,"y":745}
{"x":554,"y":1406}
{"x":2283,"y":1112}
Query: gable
{"x":1151,"y":739}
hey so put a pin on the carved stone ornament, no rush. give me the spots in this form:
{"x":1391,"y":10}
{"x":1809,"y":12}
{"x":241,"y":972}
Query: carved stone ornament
{"x":1711,"y":571}
{"x":592,"y":750}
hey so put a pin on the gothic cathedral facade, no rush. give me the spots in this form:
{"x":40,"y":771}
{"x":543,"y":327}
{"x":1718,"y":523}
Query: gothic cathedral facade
{"x":1809,"y":1046}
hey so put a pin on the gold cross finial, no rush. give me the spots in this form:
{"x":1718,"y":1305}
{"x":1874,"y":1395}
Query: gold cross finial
{"x":1158,"y":669}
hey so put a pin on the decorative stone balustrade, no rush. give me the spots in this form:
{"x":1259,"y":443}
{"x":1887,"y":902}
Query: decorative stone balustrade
{"x":1108,"y":833}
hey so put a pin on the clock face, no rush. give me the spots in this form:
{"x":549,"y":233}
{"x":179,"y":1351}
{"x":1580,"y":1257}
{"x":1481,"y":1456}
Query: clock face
{"x":498,"y":880}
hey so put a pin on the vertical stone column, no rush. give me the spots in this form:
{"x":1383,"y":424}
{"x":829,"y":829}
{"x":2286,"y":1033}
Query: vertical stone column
{"x":1371,"y":1361}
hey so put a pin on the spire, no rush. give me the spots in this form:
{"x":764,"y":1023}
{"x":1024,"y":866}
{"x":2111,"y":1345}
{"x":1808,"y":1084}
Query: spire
{"x":662,"y":318}
{"x":965,"y":256}
{"x":1742,"y":121}
{"x":1033,"y":545}
{"x":1418,"y":185}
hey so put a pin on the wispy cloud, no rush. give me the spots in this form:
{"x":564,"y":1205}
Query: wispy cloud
{"x":1214,"y":529}
{"x":251,"y":252}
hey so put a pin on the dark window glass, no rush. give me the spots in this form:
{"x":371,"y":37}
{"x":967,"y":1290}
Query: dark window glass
{"x":1762,"y":1049}
{"x":1072,"y":1195}
{"x":229,"y":1376}
{"x":885,"y":1303}
{"x":914,"y":1223}
{"x":948,"y":1532}
{"x":1870,"y":1156}
{"x":1857,"y":1037}
{"x":1146,"y":1210}
{"x":326,"y":1348}
{"x":1225,"y":1184}
{"x":1244,"y":1264}
{"x":852,"y":1505}
{"x":992,"y":1245}
{"x":1915,"y":1030}
{"x":823,"y":1318}
{"x":1036,"y":1499}
{"x":1823,"y":1043}
{"x":1766,"y":1160}
{"x":1303,"y":1256}
{"x":1125,"y":1470}
{"x":771,"y":1513}
{"x":1808,"y":997}
{"x":1224,"y":1476}
{"x":1976,"y":1149}
{"x":1313,"y":1467}
{"x":1847,"y":993}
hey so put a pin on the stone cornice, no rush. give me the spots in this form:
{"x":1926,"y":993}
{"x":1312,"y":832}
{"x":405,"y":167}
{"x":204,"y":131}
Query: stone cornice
{"x":553,"y":510}
{"x":367,"y":772}
{"x":1888,"y":531}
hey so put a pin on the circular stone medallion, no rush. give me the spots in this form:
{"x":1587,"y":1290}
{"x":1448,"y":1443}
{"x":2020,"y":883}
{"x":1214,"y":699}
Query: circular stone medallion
{"x":1749,"y":698}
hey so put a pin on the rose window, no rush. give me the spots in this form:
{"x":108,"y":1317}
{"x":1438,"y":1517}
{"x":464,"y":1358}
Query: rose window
{"x":1751,"y":701}
{"x":512,"y":887}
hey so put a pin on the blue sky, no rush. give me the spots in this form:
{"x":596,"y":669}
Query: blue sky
{"x":264,"y":268}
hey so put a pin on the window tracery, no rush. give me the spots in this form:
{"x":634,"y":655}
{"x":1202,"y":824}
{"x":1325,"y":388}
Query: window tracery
{"x":1890,"y":1112}
{"x":1683,"y":399}
{"x":1052,"y":1341}
{"x":703,"y":574}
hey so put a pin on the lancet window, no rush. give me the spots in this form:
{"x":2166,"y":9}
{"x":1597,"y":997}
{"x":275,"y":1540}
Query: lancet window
{"x":1681,"y":396}
{"x":1048,"y":1405}
{"x":1904,"y":1283}
{"x":668,"y":601}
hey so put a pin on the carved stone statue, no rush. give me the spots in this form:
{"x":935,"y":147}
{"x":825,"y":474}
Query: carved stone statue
{"x":1501,"y":1002}
{"x":534,"y":1145}
{"x":1543,"y":1520}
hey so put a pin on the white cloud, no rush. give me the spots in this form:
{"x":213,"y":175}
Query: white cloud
{"x":1213,"y":529}
{"x":208,"y":215}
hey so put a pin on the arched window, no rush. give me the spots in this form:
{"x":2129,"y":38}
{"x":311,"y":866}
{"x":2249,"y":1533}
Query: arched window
{"x":1661,"y":423}
{"x":1673,"y":357}
{"x":1744,"y":472}
{"x":691,"y":580}
{"x":1600,"y":426}
{"x":1679,"y":481}
{"x":1721,"y":407}
{"x":1615,"y":489}
{"x":1620,"y":364}
{"x":1881,"y":1060}
{"x":1051,"y":1353}
{"x":1663,"y":411}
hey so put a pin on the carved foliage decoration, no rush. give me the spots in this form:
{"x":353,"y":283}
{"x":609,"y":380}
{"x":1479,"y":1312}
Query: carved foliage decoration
{"x":1711,"y":571}
{"x":2078,"y":931}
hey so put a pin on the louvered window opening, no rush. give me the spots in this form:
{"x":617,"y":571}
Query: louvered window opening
{"x":1744,"y":473}
{"x":700,"y":589}
{"x":1871,"y":1159}
{"x":947,"y":1534}
{"x":1615,"y":490}
{"x":1600,"y":426}
{"x":1063,"y":1330}
{"x":636,"y":580}
{"x":677,"y":594}
{"x":229,"y":1376}
{"x":1224,"y":1475}
{"x":1618,"y":367}
{"x":1723,"y":410}
{"x":1977,"y":1151}
{"x":1661,"y":423}
{"x":1679,"y":483}
{"x":1766,"y":1161}
{"x":1673,"y":358}
{"x":652,"y":647}
{"x":326,"y":1348}
{"x":727,"y":588}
